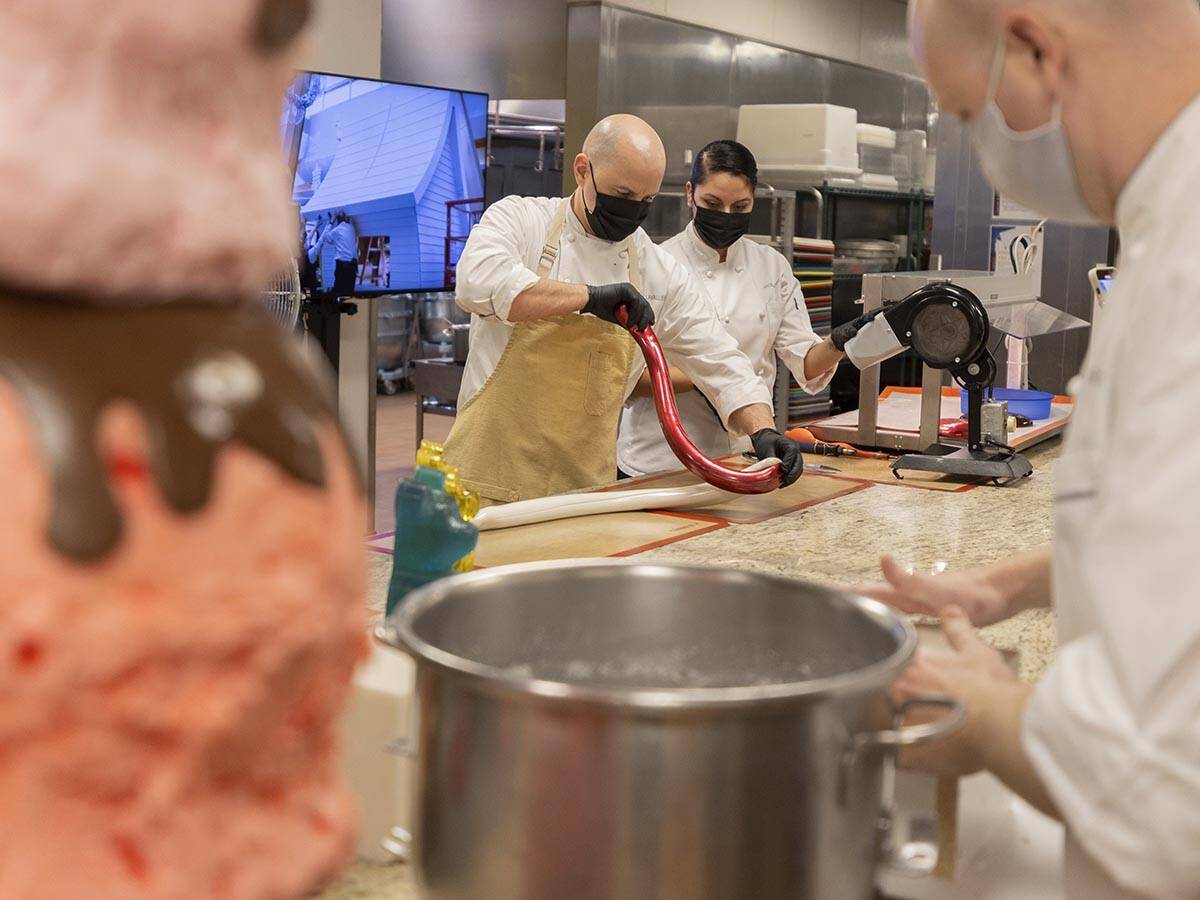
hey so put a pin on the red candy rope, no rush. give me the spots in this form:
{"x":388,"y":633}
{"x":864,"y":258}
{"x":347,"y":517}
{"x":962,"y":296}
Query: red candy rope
{"x":761,"y":482}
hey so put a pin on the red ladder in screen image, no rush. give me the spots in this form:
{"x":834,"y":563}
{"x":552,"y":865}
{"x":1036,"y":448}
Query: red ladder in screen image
{"x":374,"y":261}
{"x":474,"y":211}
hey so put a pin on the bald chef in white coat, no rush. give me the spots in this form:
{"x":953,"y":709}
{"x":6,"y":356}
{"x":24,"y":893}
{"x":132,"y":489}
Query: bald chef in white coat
{"x":544,"y":384}
{"x":755,"y":295}
{"x":1069,"y":119}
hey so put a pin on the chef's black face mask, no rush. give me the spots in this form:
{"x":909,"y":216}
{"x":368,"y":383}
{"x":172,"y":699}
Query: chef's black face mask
{"x":614,"y":218}
{"x":720,"y":229}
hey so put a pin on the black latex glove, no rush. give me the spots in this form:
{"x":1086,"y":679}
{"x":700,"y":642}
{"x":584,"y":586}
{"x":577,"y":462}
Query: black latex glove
{"x":769,"y":442}
{"x":844,"y":334}
{"x":605,"y":299}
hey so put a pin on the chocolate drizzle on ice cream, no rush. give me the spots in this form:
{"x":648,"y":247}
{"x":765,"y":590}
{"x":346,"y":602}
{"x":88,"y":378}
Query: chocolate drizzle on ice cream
{"x":278,"y":23}
{"x":200,"y":376}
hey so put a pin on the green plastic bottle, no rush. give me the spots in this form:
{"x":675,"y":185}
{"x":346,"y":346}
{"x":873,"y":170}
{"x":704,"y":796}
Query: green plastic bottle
{"x":434,"y":537}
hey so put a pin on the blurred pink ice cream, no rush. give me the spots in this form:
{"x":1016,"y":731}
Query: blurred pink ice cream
{"x":181,"y":575}
{"x":140,"y":157}
{"x":167,"y":717}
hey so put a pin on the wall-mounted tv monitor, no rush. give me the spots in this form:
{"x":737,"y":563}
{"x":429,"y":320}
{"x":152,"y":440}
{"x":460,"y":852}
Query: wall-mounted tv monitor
{"x":388,"y":179}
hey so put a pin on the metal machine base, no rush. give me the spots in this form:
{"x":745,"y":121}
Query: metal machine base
{"x":982,"y":465}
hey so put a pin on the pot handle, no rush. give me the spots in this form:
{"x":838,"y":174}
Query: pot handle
{"x":908,"y":735}
{"x":901,"y":735}
{"x":917,"y":857}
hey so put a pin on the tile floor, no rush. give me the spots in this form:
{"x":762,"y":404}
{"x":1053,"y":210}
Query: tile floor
{"x":396,"y":447}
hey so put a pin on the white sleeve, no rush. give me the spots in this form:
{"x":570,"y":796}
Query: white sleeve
{"x":1114,"y":727}
{"x":697,"y":342}
{"x":1124,"y":778}
{"x":492,"y":271}
{"x":319,"y":244}
{"x":796,"y":338}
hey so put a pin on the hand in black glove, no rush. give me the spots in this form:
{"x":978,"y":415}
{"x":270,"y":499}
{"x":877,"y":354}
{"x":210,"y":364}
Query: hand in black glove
{"x":605,"y":299}
{"x":769,"y":442}
{"x":844,"y":334}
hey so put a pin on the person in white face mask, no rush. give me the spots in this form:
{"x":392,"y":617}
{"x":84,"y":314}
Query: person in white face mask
{"x":1090,"y":109}
{"x":544,"y":385}
{"x":755,"y":295}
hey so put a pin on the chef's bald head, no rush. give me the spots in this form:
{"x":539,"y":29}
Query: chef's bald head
{"x":623,"y":138}
{"x":627,"y":155}
{"x":954,"y":41}
{"x":971,"y":25}
{"x":1094,"y":67}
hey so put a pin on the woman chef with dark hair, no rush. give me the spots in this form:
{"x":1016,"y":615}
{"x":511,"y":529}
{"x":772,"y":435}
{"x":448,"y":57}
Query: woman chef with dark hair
{"x":756,"y":297}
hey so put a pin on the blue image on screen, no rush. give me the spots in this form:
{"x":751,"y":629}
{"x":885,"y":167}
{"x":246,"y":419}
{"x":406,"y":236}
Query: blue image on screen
{"x":388,"y":179}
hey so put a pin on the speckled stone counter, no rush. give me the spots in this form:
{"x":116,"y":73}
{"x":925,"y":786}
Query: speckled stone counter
{"x":841,"y":542}
{"x":373,"y":881}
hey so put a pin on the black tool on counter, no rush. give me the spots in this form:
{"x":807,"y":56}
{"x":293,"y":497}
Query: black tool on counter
{"x":822,"y":448}
{"x":948,"y":328}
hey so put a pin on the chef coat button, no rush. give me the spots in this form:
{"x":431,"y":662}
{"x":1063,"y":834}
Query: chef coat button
{"x":740,"y":269}
{"x":708,"y":274}
{"x":624,"y":254}
{"x":762,"y":315}
{"x":727,"y":320}
{"x":570,"y":238}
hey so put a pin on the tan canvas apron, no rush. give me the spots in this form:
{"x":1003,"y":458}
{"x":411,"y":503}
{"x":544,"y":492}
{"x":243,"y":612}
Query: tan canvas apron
{"x":546,"y":419}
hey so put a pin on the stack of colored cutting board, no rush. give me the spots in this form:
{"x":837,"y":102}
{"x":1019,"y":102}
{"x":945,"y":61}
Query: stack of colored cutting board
{"x":812,"y":262}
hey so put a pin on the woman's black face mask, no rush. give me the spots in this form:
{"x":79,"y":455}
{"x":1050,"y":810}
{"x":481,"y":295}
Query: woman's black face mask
{"x":615,"y":218}
{"x":720,"y":229}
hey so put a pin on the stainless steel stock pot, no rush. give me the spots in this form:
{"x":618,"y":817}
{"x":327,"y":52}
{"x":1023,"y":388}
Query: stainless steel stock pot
{"x":601,"y":730}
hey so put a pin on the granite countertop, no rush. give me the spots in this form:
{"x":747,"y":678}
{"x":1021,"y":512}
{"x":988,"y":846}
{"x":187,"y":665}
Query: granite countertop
{"x":841,"y":542}
{"x":373,"y":881}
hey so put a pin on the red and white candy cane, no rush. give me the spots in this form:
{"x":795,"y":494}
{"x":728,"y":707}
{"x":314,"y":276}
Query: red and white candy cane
{"x":762,"y":481}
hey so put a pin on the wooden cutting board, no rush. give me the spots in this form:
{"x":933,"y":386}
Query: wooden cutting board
{"x":614,"y":534}
{"x":753,"y":508}
{"x":624,"y":534}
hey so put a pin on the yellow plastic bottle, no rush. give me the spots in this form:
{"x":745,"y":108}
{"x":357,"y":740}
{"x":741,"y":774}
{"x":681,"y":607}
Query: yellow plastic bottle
{"x":433,"y":456}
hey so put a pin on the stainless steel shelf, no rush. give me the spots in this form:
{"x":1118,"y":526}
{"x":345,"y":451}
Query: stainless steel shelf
{"x":868,"y":194}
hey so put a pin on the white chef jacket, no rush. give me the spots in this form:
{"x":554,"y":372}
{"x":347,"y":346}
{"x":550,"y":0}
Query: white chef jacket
{"x":1114,"y":727}
{"x":760,"y":302}
{"x":499,"y":262}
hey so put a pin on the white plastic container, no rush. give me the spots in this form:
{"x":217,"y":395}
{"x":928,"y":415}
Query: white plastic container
{"x":801,"y":142}
{"x":875,"y":136}
{"x":878,"y":182}
{"x":379,"y":712}
{"x":911,"y":150}
{"x":877,"y":157}
{"x":876,"y":160}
